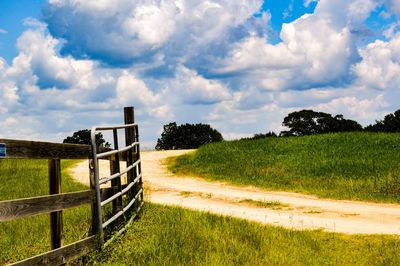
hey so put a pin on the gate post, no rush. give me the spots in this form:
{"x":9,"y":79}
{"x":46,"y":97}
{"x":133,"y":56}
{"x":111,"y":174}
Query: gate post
{"x":56,"y":223}
{"x":97,"y":223}
{"x":129,"y":118}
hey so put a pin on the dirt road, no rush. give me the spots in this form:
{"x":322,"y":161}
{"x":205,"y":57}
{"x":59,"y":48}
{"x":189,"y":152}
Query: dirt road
{"x":290,"y":210}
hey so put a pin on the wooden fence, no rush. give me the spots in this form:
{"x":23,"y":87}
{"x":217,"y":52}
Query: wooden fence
{"x":56,"y":201}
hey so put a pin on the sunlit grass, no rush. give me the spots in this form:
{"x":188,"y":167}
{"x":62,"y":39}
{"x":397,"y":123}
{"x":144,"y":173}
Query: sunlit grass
{"x":358,"y":166}
{"x":174,"y":236}
{"x":26,"y":237}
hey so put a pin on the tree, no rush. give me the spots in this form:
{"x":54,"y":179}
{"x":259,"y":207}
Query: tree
{"x":309,"y":122}
{"x":84,"y":137}
{"x":391,"y":123}
{"x":270,"y":134}
{"x":187,"y":136}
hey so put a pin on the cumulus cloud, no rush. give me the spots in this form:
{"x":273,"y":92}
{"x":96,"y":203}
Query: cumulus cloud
{"x":380,"y":65}
{"x":124,"y":32}
{"x":38,"y":57}
{"x":316,"y":50}
{"x":44,"y":90}
{"x":311,"y":53}
{"x":192,"y":88}
{"x":133,"y":91}
{"x":8,"y":90}
{"x":356,"y":108}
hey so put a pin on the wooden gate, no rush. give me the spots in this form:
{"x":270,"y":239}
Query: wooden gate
{"x":126,"y":199}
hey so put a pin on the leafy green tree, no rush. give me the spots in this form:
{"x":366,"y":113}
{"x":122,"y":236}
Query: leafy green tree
{"x":186,"y":136}
{"x":84,"y":137}
{"x":391,"y":123}
{"x":309,"y":122}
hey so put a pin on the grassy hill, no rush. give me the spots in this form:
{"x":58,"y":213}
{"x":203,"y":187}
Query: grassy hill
{"x":358,"y":166}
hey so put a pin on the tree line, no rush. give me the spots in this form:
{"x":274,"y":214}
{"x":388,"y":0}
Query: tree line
{"x":309,"y":122}
{"x":299,"y":123}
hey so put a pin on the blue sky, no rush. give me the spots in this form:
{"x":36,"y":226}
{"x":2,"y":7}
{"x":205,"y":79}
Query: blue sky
{"x":240,"y":65}
{"x":12,"y":16}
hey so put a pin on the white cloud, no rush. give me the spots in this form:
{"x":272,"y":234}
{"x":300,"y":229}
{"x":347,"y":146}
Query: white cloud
{"x":129,"y":89}
{"x":8,"y":89}
{"x":133,"y":91}
{"x":3,"y":31}
{"x":357,"y":108}
{"x":311,"y":53}
{"x":394,"y":6}
{"x":38,"y":60}
{"x":316,"y":50}
{"x":380,"y":65}
{"x":192,"y":88}
{"x":122,"y":31}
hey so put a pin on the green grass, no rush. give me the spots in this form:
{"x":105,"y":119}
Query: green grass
{"x":174,"y":236}
{"x":26,"y":237}
{"x":357,"y":166}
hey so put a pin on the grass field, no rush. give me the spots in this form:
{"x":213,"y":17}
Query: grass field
{"x":175,"y":236}
{"x":26,"y":237}
{"x":357,"y":166}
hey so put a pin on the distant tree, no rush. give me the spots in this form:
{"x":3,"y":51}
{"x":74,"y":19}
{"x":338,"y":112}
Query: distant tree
{"x":261,"y":136}
{"x":309,"y":122}
{"x":391,"y":123}
{"x":187,"y":136}
{"x":84,"y":137}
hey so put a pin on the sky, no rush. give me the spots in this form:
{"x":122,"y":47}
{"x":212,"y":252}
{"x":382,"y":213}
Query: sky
{"x":239,"y":65}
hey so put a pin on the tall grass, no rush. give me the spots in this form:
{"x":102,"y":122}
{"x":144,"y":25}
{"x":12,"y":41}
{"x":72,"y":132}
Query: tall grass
{"x":358,"y":166}
{"x":26,"y":237}
{"x":174,"y":236}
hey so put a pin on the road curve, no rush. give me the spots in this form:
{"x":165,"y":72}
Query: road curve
{"x":291,"y":210}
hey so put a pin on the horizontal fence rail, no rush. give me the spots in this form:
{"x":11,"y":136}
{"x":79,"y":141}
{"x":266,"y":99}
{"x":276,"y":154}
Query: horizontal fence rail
{"x":13,"y":209}
{"x":131,"y":193}
{"x":23,"y":149}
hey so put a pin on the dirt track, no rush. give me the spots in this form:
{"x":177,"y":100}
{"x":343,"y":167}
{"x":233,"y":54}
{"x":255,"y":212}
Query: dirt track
{"x":290,"y":210}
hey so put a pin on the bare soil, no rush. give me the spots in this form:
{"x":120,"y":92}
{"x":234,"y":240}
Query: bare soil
{"x":291,"y":210}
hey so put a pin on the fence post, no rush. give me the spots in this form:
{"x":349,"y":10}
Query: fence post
{"x":129,"y":118}
{"x":97,"y":228}
{"x":56,"y":223}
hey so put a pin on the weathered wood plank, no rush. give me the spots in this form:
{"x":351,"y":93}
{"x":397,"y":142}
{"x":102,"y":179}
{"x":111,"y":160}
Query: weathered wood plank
{"x":56,"y":221}
{"x":13,"y":209}
{"x":61,"y":255}
{"x":20,"y":149}
{"x":96,"y":227}
{"x":44,"y":150}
